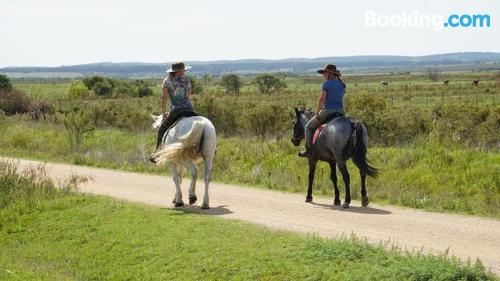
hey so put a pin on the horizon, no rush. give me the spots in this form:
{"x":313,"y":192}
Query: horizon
{"x":236,"y":60}
{"x":55,"y":32}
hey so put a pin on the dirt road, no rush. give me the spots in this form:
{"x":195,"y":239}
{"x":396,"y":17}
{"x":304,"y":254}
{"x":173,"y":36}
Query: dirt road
{"x":464,"y":236}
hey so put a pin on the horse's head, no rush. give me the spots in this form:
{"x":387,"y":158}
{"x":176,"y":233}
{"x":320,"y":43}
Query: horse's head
{"x":298,"y":126}
{"x":157,"y":120}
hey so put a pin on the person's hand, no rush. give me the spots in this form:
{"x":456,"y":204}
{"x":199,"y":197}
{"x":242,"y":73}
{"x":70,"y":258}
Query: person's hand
{"x":165,"y":115}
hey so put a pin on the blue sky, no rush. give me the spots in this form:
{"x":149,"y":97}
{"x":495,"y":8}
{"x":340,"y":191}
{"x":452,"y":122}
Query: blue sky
{"x":53,"y":32}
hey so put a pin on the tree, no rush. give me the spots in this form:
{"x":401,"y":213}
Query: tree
{"x":5,"y":83}
{"x":433,"y":74}
{"x":206,"y":80}
{"x":197,"y":89}
{"x":269,"y":84}
{"x":104,"y":88}
{"x":231,"y":83}
{"x":77,"y":89}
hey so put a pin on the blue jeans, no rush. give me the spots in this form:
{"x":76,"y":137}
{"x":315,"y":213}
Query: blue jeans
{"x":314,"y":123}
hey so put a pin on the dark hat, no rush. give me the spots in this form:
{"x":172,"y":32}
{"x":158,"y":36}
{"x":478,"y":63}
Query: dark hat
{"x":330,"y":68}
{"x":177,"y":66}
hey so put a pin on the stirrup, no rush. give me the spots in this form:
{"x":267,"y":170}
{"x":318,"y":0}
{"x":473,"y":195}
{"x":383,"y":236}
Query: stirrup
{"x":305,"y":153}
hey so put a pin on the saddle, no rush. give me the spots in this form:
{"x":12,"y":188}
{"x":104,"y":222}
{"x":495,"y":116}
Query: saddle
{"x":172,"y":119}
{"x":318,"y":130}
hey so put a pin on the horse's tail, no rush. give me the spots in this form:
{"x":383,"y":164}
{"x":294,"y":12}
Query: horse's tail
{"x":360,"y":141}
{"x":187,"y":146}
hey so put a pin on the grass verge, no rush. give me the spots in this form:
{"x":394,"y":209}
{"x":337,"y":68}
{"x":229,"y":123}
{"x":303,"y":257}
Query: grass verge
{"x":68,"y":236}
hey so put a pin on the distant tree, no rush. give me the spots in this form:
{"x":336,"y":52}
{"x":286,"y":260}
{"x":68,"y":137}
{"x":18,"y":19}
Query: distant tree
{"x":144,"y":91}
{"x":5,"y":83}
{"x":90,"y":82}
{"x":269,"y":84}
{"x":124,"y":89}
{"x":231,"y":83}
{"x":104,"y":88}
{"x":195,"y":85}
{"x":433,"y":74}
{"x":206,"y":80}
{"x":77,"y":89}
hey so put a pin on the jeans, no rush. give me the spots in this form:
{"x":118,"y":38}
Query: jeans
{"x":314,"y":123}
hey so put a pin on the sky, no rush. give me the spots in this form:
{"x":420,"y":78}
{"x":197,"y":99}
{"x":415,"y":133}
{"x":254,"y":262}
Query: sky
{"x":61,"y":32}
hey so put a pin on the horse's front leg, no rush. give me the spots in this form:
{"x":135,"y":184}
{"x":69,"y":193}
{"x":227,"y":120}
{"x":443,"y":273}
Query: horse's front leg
{"x":177,"y":181}
{"x":312,"y":169}
{"x":346,"y":178}
{"x":194,"y":176}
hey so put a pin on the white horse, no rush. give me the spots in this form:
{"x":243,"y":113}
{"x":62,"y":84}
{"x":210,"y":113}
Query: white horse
{"x":190,"y":141}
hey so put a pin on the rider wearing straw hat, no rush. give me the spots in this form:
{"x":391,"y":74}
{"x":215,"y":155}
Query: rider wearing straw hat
{"x":331,"y":101}
{"x":176,"y":88}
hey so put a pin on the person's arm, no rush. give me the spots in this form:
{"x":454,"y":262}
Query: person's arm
{"x":164,"y":100}
{"x":321,"y":102}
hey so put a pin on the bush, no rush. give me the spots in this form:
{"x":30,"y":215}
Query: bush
{"x":78,"y":126}
{"x":468,"y":125}
{"x":14,"y":102}
{"x":104,"y":88}
{"x":231,"y":83}
{"x":40,"y":109}
{"x":5,"y":83}
{"x":269,"y":84}
{"x":77,"y":89}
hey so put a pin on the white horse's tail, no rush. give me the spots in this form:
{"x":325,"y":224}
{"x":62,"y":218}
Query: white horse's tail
{"x":186,"y":147}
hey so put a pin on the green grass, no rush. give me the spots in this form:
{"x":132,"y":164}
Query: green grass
{"x":67,"y":236}
{"x":427,"y":176}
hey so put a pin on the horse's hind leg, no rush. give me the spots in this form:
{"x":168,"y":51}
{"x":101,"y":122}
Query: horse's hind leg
{"x":346,"y":178}
{"x":333,"y":177}
{"x":194,"y":176}
{"x":364,"y":196}
{"x":208,"y":174}
{"x":312,"y":170}
{"x":177,"y":181}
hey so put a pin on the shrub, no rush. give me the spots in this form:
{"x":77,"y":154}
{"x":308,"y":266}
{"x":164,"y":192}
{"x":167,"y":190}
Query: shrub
{"x":231,"y":83}
{"x":5,"y":83}
{"x":14,"y":102}
{"x":77,"y":89}
{"x":78,"y":126}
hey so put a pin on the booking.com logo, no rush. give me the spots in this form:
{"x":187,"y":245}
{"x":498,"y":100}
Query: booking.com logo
{"x":436,"y":22}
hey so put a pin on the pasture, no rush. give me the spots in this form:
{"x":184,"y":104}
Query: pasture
{"x":436,"y":156}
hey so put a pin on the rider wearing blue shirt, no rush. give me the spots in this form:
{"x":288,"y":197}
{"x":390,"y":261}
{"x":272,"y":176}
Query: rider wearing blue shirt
{"x":331,"y":101}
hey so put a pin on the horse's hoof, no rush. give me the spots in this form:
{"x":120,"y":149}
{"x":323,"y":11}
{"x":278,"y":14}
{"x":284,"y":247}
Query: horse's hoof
{"x":179,"y":204}
{"x":205,"y":207}
{"x":192,"y":200}
{"x":337,"y":203}
{"x":173,"y":201}
{"x":345,"y":205}
{"x":365,"y":201}
{"x":309,"y":199}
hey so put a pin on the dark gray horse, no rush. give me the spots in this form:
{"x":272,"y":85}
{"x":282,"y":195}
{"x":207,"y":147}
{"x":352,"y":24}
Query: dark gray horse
{"x":341,"y":139}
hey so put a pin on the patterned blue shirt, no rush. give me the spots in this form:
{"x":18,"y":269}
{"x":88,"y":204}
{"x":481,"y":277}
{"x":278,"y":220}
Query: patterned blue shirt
{"x":178,"y":91}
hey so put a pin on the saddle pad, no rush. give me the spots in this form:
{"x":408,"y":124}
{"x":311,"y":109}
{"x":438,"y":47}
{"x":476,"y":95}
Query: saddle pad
{"x":317,"y":133}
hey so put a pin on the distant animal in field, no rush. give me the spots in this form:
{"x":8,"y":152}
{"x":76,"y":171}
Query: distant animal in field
{"x":446,"y":82}
{"x":475,"y":82}
{"x":384,"y":83}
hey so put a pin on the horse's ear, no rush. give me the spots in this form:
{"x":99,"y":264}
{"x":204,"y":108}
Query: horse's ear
{"x":296,"y":110}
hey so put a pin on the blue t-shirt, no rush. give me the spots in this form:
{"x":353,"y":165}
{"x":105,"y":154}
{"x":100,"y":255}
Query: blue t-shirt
{"x":334,"y":94}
